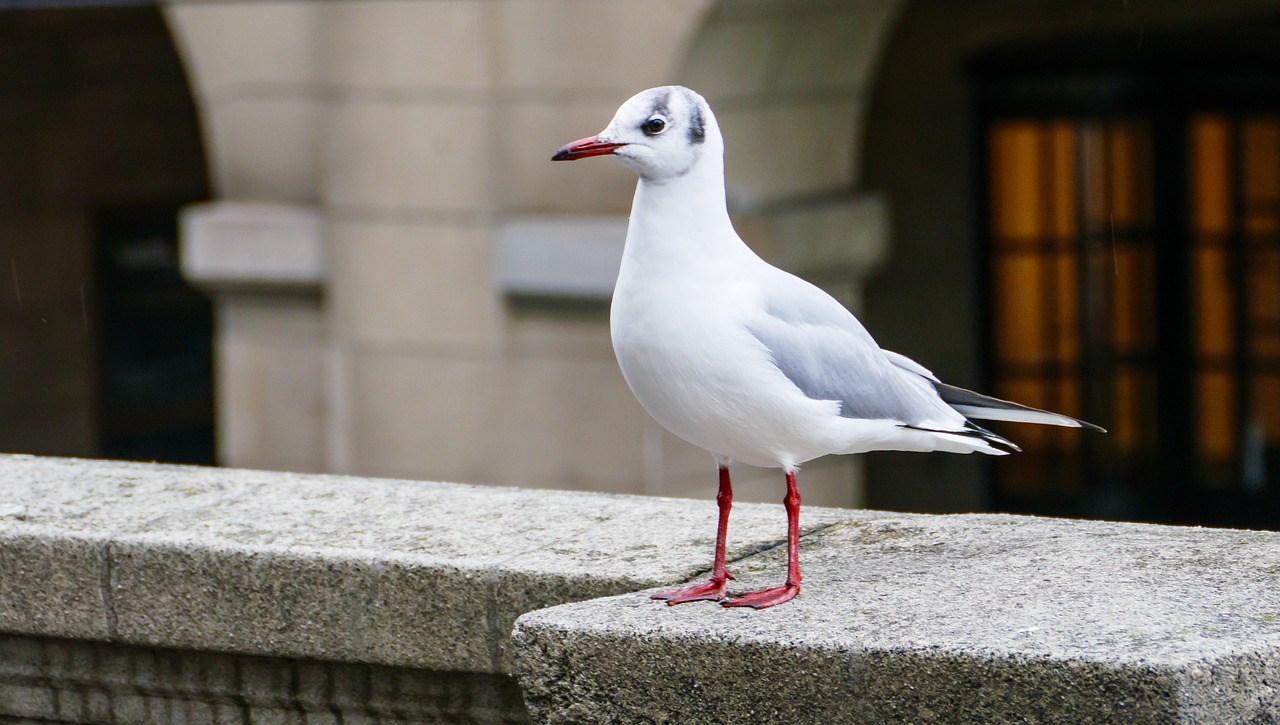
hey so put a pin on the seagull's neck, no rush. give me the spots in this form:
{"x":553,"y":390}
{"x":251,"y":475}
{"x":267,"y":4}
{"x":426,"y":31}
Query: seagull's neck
{"x":683,"y":221}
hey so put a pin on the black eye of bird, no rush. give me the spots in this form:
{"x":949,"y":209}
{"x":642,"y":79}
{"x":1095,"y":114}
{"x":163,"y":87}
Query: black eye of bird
{"x":654,"y":126}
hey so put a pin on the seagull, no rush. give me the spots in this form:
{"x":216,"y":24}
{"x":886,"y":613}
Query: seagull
{"x":745,"y":360}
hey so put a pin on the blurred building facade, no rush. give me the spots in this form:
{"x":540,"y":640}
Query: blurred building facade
{"x":392,"y":256}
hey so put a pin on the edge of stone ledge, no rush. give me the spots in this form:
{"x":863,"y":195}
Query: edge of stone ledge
{"x":329,"y":567}
{"x":966,"y":618}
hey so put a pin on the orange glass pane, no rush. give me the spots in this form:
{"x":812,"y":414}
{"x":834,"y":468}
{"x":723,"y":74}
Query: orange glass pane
{"x":1062,"y":160}
{"x":1015,"y":155}
{"x":1122,"y":167}
{"x":1215,"y":415}
{"x":1210,"y":161}
{"x":1019,"y":308}
{"x":1125,"y":410}
{"x":1213,"y":300}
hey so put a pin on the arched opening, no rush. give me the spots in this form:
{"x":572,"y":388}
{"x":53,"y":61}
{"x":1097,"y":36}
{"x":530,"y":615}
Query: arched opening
{"x":106,"y":352}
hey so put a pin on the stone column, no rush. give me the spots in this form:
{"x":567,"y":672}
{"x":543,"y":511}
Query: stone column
{"x":264,"y":267}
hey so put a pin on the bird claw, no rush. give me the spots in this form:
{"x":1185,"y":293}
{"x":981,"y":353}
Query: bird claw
{"x":712,"y":591}
{"x":764,"y":598}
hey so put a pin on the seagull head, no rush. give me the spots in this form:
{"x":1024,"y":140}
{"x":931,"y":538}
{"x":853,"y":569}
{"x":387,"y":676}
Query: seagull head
{"x":660,"y":134}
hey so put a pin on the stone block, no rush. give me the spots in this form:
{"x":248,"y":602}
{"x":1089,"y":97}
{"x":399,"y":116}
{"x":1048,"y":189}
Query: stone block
{"x":50,"y":586}
{"x":968,"y":618}
{"x":559,"y":256}
{"x":273,"y":41}
{"x":759,"y":170}
{"x":718,"y":68}
{"x":399,"y":282}
{"x":530,"y":129}
{"x":831,"y":481}
{"x":271,"y":403}
{"x":257,"y":245}
{"x":27,"y":701}
{"x":277,"y":603}
{"x":403,"y":573}
{"x":844,"y":238}
{"x":414,"y":415}
{"x":569,"y":45}
{"x":834,"y":49}
{"x":391,"y":44}
{"x":263,"y":146}
{"x":151,"y":685}
{"x":409,"y":155}
{"x":531,"y":330}
{"x":545,"y":401}
{"x":23,"y":657}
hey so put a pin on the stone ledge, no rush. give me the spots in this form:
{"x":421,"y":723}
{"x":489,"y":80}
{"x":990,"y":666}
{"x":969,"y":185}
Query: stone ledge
{"x":973,"y":618}
{"x":252,"y":246}
{"x":400,"y":573}
{"x":976,"y":618}
{"x":559,"y":257}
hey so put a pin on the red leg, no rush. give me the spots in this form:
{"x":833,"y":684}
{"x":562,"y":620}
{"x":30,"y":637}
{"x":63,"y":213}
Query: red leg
{"x":714,"y":589}
{"x":785,"y":593}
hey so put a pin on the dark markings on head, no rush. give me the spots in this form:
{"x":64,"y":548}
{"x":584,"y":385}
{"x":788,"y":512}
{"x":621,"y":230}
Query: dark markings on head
{"x":697,"y":127}
{"x":660,"y":107}
{"x":697,"y":124}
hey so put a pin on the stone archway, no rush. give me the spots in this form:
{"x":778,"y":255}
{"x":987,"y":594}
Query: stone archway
{"x":105,"y":351}
{"x":791,"y":83}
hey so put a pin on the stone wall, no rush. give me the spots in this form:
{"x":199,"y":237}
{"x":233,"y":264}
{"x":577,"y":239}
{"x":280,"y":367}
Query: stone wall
{"x":145,"y":593}
{"x":77,"y":681}
{"x":411,"y":130}
{"x":418,"y":133}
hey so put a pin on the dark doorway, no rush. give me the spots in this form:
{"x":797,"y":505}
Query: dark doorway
{"x":1131,"y":225}
{"x":105,"y":351}
{"x":156,"y":348}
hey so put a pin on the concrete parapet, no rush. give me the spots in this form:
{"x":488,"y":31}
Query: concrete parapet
{"x":399,"y":573}
{"x":140,"y":592}
{"x":958,"y":619}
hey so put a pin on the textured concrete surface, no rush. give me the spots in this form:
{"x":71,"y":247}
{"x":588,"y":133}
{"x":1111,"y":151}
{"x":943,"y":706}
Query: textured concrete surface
{"x":46,"y":680}
{"x":405,"y":573}
{"x":973,"y":618}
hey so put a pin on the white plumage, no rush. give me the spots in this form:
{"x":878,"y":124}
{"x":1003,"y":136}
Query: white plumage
{"x":739,"y":357}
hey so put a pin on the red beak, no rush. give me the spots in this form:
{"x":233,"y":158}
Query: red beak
{"x":584,"y":147}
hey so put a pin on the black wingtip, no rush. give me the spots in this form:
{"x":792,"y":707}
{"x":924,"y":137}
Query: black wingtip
{"x":972,"y":431}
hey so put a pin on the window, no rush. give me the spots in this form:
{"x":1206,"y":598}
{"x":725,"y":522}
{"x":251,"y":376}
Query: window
{"x":1132,"y":253}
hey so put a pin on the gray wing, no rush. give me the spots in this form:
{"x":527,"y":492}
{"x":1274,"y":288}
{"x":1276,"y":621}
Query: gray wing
{"x":822,"y":349}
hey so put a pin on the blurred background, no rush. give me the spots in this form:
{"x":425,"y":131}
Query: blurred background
{"x":327,"y":236}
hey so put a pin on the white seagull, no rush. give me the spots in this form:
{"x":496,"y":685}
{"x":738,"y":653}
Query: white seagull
{"x":743,"y":359}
